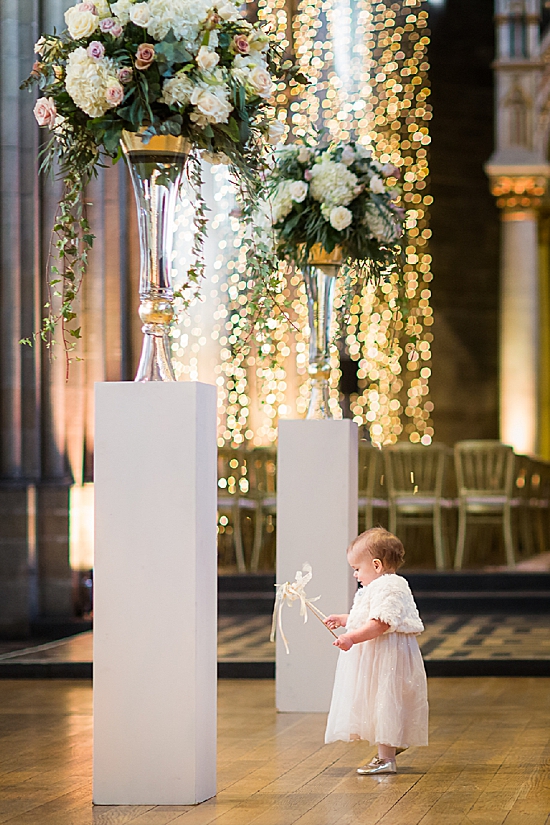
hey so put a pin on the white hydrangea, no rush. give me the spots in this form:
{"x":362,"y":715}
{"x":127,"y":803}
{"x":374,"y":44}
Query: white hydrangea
{"x":281,"y":202}
{"x":87,"y":81}
{"x":177,"y":90}
{"x":184,"y":17}
{"x":382,"y":224}
{"x":332,"y":183}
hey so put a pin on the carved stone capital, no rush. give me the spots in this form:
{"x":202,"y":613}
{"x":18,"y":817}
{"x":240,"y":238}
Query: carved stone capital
{"x":515,"y":192}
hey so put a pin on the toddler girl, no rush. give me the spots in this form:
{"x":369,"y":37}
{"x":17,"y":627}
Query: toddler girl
{"x":380,"y":686}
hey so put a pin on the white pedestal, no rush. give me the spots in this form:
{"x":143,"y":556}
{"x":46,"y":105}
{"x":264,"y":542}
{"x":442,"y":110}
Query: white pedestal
{"x":316,"y":520}
{"x":155,"y":594}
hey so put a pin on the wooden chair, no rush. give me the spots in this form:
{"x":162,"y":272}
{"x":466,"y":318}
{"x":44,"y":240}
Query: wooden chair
{"x":415,"y":477}
{"x":485,"y":472}
{"x":372,"y":490}
{"x":234,"y":494}
{"x":264,"y":491}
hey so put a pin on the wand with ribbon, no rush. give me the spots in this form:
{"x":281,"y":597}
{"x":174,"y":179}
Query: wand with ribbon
{"x":289,"y":593}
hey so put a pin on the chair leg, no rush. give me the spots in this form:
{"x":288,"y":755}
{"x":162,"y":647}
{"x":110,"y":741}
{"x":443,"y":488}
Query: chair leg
{"x":258,"y":534}
{"x":508,"y":538}
{"x":393,"y":518}
{"x":237,"y":533}
{"x":369,"y":515}
{"x":439,"y":540}
{"x":461,"y":538}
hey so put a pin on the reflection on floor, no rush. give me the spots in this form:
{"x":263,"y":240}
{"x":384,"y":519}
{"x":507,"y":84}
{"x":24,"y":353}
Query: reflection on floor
{"x":246,"y":639}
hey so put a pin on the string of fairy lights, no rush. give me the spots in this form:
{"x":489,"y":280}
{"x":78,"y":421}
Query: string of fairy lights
{"x":367,"y":67}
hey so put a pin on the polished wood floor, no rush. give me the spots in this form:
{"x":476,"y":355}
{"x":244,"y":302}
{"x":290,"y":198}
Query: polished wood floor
{"x":487,"y":764}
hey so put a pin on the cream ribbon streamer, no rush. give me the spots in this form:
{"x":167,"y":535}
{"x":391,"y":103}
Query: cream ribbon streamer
{"x":289,"y":593}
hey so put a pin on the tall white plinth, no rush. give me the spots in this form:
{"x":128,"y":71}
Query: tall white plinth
{"x":316,"y":520}
{"x":155,"y":594}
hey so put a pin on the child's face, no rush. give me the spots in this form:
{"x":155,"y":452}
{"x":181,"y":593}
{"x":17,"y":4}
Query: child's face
{"x":365,"y":568}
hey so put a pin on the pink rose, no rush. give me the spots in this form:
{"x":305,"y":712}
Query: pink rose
{"x":124,"y":74}
{"x":96,"y":50}
{"x":87,"y":7}
{"x":390,"y":171}
{"x":110,"y":26}
{"x":114,"y":94}
{"x":241,"y":44}
{"x":45,"y":111}
{"x":308,"y":175}
{"x":144,"y":56}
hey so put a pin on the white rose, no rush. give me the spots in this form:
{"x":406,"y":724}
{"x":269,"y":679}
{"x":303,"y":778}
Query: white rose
{"x":121,"y":10}
{"x":340,"y":217}
{"x":362,"y":152}
{"x":304,"y":154}
{"x":207,"y":59}
{"x":81,"y":23}
{"x":140,"y":14}
{"x":276,"y":131}
{"x":228,"y":11}
{"x":212,"y":104}
{"x":348,"y":156}
{"x":260,"y":81}
{"x":298,"y":190}
{"x":377,"y":185}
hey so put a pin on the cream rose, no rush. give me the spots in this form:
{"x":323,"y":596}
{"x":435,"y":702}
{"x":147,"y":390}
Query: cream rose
{"x":207,"y":58}
{"x":298,"y":190}
{"x":213,"y":105}
{"x":348,"y":156}
{"x":45,"y":111}
{"x":276,"y":131}
{"x":377,"y":185}
{"x":340,"y":217}
{"x":140,"y":14}
{"x":81,"y":23}
{"x":260,"y":81}
{"x":304,"y":154}
{"x":228,"y":11}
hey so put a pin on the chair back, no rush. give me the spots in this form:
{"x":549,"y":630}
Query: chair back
{"x":371,"y":471}
{"x":415,"y":470}
{"x":484,"y":468}
{"x":233,"y":472}
{"x":264,"y":460}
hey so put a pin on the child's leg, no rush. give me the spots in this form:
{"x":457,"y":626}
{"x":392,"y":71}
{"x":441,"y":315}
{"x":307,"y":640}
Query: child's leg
{"x":386,"y":752}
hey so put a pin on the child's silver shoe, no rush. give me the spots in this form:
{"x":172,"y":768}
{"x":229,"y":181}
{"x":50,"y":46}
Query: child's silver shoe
{"x":378,"y":765}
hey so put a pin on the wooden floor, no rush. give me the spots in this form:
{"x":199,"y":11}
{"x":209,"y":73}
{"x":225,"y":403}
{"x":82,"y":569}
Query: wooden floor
{"x":487,"y":764}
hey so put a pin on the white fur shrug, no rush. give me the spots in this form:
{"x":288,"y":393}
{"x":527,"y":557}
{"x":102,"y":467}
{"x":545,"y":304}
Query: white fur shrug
{"x":388,"y":599}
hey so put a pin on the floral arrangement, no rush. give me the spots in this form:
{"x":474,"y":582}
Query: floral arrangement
{"x":336,"y":196}
{"x":191,"y":68}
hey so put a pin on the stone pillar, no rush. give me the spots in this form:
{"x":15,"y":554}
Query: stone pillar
{"x":46,"y":422}
{"x":519,"y":197}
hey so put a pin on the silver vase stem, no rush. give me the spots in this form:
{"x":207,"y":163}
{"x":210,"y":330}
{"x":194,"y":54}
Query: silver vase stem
{"x":320,"y":281}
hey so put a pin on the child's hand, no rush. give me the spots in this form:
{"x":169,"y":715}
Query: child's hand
{"x":344,"y":641}
{"x":334,"y":620}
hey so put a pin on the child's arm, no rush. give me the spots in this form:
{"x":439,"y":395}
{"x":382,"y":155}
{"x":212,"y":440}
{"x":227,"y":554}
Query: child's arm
{"x":371,"y":630}
{"x":336,"y":620}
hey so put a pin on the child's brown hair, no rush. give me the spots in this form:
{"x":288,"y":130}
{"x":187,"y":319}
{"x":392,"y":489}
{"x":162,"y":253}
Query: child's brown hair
{"x":380,"y":544}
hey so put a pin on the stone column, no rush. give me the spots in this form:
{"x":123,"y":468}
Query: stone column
{"x":46,"y":422}
{"x":519,"y":197}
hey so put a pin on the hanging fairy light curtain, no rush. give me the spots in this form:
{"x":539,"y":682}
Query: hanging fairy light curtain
{"x":368,"y":73}
{"x":368,"y":70}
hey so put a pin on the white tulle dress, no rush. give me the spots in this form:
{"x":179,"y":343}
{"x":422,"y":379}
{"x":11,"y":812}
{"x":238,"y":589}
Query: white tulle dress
{"x":380,"y":689}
